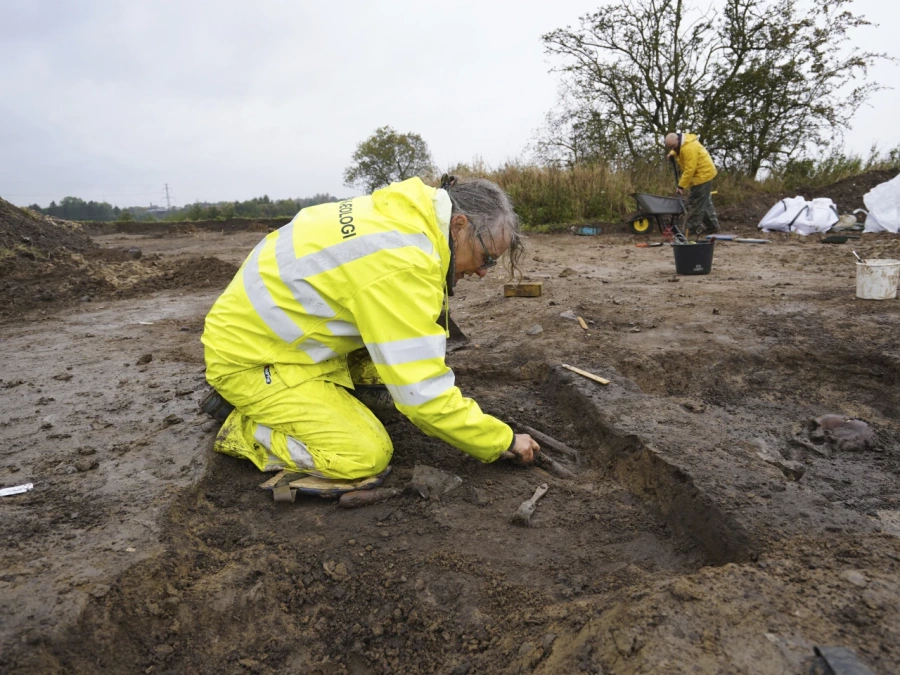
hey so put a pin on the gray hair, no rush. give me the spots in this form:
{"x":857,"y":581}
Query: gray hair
{"x":487,"y":206}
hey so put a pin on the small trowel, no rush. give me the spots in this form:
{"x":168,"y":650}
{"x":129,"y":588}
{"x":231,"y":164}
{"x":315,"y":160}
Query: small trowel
{"x":458,"y":339}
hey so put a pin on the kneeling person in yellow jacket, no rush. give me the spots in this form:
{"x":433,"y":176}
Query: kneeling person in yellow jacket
{"x":372,"y":273}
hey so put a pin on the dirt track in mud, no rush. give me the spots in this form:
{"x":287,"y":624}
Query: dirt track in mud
{"x":683,"y":544}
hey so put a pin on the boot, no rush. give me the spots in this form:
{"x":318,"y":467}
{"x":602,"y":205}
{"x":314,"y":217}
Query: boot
{"x":215,"y":406}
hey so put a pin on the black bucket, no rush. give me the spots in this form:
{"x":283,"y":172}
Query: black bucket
{"x":693,"y":258}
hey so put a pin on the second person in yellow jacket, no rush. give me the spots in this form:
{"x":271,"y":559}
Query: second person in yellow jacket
{"x":697,"y":173}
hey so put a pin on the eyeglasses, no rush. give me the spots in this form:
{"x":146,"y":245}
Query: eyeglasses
{"x":489,"y":260}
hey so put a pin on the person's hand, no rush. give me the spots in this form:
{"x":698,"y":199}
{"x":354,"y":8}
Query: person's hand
{"x":524,"y":449}
{"x":679,"y":192}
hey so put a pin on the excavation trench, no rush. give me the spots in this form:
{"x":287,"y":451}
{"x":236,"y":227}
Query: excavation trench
{"x":409,"y":585}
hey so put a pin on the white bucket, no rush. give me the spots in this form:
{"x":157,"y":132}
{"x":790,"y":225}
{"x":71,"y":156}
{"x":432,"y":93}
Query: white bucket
{"x":877,"y":279}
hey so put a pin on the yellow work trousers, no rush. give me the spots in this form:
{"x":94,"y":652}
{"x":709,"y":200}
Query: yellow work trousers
{"x":315,"y":427}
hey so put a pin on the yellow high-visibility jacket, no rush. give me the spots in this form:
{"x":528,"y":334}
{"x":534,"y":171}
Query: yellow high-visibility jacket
{"x":694,"y":161}
{"x":369,"y":271}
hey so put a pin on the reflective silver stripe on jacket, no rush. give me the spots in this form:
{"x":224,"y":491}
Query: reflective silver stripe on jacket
{"x":406,"y":351}
{"x":272,"y":315}
{"x":316,"y":351}
{"x":294,"y":271}
{"x":296,"y":449}
{"x":263,"y":436}
{"x":300,"y":454}
{"x":303,"y":292}
{"x":421,"y":392}
{"x":343,"y":329}
{"x":348,"y":251}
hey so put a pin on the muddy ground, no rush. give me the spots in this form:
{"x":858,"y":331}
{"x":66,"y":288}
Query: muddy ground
{"x":708,"y":528}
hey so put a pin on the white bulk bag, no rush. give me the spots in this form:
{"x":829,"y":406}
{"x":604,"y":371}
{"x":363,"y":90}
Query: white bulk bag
{"x":820,"y":216}
{"x":883,"y":204}
{"x":781,"y":216}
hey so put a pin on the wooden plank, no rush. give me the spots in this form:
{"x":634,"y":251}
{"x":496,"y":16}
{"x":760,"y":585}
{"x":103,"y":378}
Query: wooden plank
{"x":280,"y":478}
{"x":584,"y":373}
{"x":529,"y":290}
{"x":582,"y":323}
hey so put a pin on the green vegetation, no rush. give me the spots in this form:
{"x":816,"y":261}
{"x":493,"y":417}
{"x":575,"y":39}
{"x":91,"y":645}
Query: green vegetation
{"x":761,"y":81}
{"x":74,"y":208}
{"x":545,"y":196}
{"x":386,"y":157}
{"x":836,"y":166}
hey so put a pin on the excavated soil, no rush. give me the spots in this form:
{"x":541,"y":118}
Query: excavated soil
{"x":46,"y":263}
{"x":685,"y":542}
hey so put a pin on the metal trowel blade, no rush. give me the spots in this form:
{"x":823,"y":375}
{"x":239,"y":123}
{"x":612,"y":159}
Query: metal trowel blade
{"x":458,"y":339}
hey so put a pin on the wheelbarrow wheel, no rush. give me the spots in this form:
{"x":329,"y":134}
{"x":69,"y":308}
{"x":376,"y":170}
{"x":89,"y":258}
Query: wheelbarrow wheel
{"x":641,"y":225}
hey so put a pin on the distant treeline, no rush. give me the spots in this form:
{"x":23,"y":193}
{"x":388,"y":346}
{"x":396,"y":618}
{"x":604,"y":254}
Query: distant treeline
{"x":75,"y":208}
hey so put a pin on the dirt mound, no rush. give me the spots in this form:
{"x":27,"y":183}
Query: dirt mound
{"x":46,"y":262}
{"x":751,"y":211}
{"x":847,"y":194}
{"x":23,"y":233}
{"x":48,"y":283}
{"x":43,"y":260}
{"x":196,"y":272}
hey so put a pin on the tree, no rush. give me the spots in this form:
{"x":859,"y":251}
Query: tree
{"x":577,"y":134}
{"x":195,"y":212}
{"x":386,"y":157}
{"x":759,"y":82}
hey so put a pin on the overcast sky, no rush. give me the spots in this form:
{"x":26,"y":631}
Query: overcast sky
{"x":226,"y":100}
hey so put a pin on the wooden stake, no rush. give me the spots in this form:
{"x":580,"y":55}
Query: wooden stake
{"x":583,"y":324}
{"x":584,"y":373}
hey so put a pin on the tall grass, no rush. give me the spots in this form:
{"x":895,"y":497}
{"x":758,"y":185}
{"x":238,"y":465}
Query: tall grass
{"x":835,"y":166}
{"x":546,"y":197}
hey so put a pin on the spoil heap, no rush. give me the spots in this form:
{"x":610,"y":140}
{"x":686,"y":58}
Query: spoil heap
{"x":46,"y":262}
{"x":847,"y":194}
{"x":43,"y":260}
{"x":22,"y":233}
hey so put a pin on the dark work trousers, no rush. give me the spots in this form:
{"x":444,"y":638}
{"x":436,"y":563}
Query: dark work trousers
{"x":701,"y":218}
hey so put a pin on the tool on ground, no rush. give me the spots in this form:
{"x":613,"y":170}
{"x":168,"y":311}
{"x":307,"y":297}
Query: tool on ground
{"x":741,"y":240}
{"x":354,"y":500}
{"x":522,"y":517}
{"x":857,"y":256}
{"x":582,"y":323}
{"x":649,"y":244}
{"x":17,"y":490}
{"x":458,"y":339}
{"x":584,"y":373}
